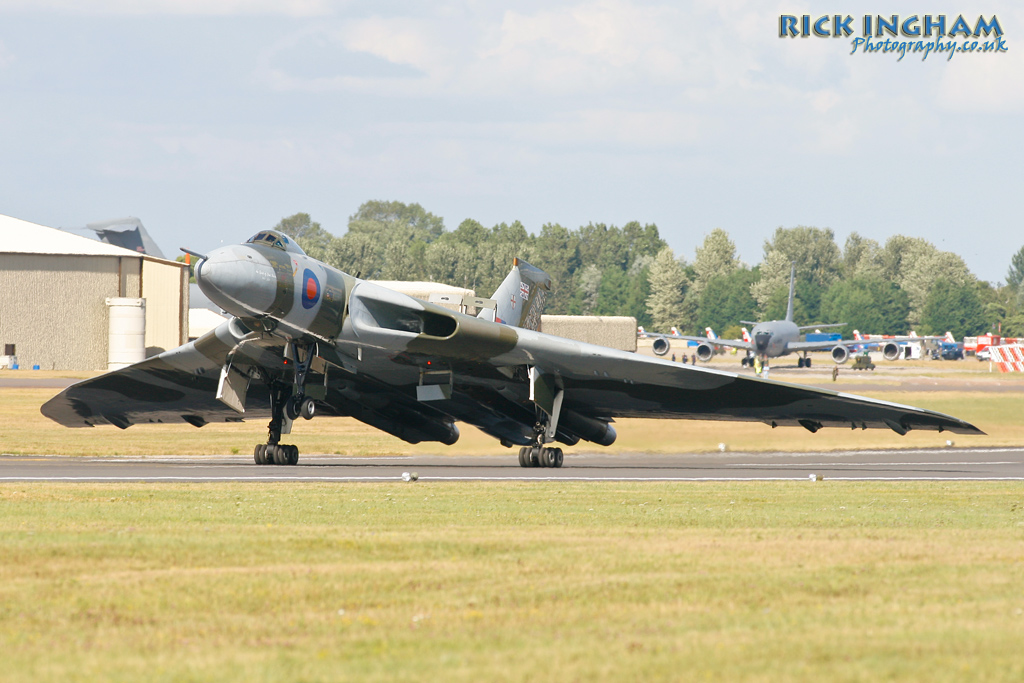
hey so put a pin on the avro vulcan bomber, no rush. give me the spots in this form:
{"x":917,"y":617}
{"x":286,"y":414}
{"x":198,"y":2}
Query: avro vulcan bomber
{"x":307,"y":340}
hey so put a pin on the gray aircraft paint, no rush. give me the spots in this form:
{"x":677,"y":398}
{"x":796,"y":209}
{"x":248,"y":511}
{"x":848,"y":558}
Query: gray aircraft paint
{"x":377,"y":348}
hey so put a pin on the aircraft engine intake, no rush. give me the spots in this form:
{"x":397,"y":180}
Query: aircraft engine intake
{"x":661,"y":346}
{"x":891,"y":351}
{"x":840,"y":354}
{"x":705,"y":352}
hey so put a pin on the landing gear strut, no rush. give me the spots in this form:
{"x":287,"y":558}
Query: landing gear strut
{"x":273,"y":452}
{"x":288,"y":402}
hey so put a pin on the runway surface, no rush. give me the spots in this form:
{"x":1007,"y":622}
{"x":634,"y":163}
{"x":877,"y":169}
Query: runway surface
{"x":937,"y":464}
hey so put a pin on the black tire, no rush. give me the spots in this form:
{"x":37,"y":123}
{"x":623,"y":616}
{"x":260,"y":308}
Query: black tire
{"x":524,"y":456}
{"x":259,"y":454}
{"x":807,"y":362}
{"x":292,"y":408}
{"x":535,"y":457}
{"x":556,"y":461}
{"x":307,"y":409}
{"x":280,"y":455}
{"x":545,"y":457}
{"x":293,"y":455}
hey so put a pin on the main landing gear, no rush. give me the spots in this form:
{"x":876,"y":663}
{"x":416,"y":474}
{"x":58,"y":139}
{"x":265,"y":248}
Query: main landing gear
{"x":540,"y":456}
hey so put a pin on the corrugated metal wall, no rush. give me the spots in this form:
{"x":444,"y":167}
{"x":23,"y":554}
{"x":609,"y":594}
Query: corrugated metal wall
{"x":53,"y":307}
{"x":162,"y":289}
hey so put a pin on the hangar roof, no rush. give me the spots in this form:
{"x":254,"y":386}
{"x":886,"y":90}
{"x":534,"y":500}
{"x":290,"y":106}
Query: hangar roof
{"x":21,"y":237}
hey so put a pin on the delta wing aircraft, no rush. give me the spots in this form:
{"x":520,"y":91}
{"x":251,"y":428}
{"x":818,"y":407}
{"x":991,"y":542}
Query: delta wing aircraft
{"x":770,"y":339}
{"x":307,"y":339}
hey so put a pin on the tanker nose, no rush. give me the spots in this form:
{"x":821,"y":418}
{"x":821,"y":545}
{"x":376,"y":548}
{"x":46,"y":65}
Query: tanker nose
{"x":237,"y":279}
{"x":761,"y":340}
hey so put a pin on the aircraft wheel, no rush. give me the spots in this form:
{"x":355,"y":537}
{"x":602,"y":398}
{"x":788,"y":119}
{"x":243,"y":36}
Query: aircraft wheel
{"x":280,"y":455}
{"x":293,"y":455}
{"x":292,"y":408}
{"x":307,"y":409}
{"x":260,"y":454}
{"x":556,"y":457}
{"x":534,"y":457}
{"x":524,"y":456}
{"x":807,"y":362}
{"x":545,"y":457}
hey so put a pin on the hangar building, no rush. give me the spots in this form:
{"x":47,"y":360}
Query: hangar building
{"x":54,"y":288}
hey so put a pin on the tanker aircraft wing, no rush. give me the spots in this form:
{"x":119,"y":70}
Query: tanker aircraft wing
{"x":309,"y":340}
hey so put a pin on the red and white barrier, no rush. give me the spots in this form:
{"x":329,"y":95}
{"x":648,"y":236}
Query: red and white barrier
{"x":1009,"y":357}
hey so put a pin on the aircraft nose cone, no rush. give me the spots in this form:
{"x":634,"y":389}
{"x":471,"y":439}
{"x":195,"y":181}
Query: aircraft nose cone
{"x":761,"y":340}
{"x":238,"y":280}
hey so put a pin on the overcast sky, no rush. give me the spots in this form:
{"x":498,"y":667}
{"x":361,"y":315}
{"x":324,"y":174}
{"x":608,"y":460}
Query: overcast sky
{"x":211,"y":119}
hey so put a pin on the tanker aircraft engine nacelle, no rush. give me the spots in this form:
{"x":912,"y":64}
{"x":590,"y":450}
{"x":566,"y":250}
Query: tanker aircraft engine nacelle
{"x":306,"y":339}
{"x":661,"y":346}
{"x":840,"y":354}
{"x":705,"y":352}
{"x":891,"y":351}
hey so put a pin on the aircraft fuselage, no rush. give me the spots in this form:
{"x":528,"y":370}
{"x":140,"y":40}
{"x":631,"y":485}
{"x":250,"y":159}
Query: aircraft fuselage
{"x":771,"y":339}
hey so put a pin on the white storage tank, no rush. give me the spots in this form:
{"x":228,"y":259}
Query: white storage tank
{"x":127,"y":343}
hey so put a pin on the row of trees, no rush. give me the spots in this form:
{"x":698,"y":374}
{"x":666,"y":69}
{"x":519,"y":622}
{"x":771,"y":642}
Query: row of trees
{"x":599,"y":269}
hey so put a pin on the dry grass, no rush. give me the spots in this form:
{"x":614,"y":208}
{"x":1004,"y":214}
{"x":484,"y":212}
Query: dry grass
{"x":23,"y":430}
{"x":512,"y":581}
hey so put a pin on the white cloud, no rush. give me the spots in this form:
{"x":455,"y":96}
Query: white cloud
{"x":295,"y":8}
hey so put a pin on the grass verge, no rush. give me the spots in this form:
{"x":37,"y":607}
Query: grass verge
{"x":513,"y":581}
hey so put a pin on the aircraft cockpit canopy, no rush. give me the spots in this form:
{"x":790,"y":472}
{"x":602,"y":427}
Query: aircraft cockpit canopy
{"x":273,"y":238}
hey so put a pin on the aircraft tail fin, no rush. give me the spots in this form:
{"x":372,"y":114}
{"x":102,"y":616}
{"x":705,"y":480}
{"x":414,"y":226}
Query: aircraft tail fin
{"x":711,"y":333}
{"x":792,"y":284}
{"x":856,"y":335}
{"x":950,"y":337}
{"x":674,"y":331}
{"x":746,"y":335}
{"x":520,"y":297}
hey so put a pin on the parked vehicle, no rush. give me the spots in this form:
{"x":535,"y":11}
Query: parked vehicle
{"x":951,"y":351}
{"x":863,"y":362}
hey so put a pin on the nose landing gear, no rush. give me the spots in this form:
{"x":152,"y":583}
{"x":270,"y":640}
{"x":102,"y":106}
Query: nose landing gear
{"x":273,"y":452}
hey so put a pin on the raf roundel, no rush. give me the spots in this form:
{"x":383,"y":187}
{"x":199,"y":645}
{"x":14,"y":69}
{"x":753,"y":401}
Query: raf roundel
{"x":310,"y":289}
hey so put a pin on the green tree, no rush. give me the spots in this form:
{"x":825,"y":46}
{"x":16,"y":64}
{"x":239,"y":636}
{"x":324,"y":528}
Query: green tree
{"x":715,"y":257}
{"x":375,"y":216}
{"x":667,"y":282}
{"x":313,"y":239}
{"x":954,"y":307}
{"x":1015,"y":274}
{"x":861,"y":256}
{"x":726,"y":300}
{"x":557,"y":253}
{"x":872,"y":305}
{"x":813,"y":250}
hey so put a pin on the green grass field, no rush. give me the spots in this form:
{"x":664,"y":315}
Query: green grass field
{"x":512,"y":581}
{"x":24,"y":431}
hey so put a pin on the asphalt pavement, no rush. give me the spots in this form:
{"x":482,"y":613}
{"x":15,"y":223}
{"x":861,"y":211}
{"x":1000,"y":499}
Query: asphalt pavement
{"x":932,"y":464}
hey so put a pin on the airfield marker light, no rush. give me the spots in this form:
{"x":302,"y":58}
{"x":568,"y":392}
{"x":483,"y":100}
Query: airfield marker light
{"x":722,"y":447}
{"x":949,"y":443}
